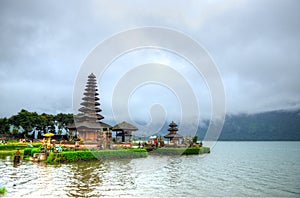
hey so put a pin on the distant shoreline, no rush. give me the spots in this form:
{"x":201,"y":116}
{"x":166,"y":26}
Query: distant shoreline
{"x":254,"y":140}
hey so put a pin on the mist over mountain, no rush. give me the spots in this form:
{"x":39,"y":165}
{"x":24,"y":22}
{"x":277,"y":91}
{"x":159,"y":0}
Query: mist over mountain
{"x":279,"y":125}
{"x":274,"y":125}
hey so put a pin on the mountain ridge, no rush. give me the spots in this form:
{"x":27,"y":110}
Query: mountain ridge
{"x":276,"y":125}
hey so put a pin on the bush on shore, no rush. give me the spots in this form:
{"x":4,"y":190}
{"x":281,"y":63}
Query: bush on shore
{"x":2,"y":190}
{"x":181,"y":151}
{"x":27,"y":151}
{"x":73,"y":156}
{"x":16,"y":146}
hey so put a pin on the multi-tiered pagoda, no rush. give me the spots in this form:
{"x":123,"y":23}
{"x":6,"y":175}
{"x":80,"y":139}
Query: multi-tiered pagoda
{"x":173,"y":136}
{"x":88,"y":121}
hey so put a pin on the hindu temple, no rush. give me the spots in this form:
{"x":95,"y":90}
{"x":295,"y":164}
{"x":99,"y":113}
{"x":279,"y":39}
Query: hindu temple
{"x":89,"y":126}
{"x":173,"y":136}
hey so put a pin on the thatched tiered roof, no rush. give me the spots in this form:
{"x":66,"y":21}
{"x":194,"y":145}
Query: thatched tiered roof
{"x":124,"y":126}
{"x":90,"y":110}
{"x":173,"y":132}
{"x":88,"y":122}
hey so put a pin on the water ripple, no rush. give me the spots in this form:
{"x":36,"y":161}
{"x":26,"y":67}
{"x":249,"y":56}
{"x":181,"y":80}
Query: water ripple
{"x":232,"y":169}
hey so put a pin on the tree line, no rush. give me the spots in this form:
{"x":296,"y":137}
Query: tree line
{"x":25,"y":123}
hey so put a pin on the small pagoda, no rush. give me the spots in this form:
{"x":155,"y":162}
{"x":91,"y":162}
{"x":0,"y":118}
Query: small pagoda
{"x":173,"y":136}
{"x":88,"y":122}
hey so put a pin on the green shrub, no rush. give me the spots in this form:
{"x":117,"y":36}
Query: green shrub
{"x":168,"y":151}
{"x":12,"y":146}
{"x":31,"y":151}
{"x":3,"y":190}
{"x":37,"y":145}
{"x":191,"y":151}
{"x":27,"y":151}
{"x":137,"y":150}
{"x":56,"y":160}
{"x":15,"y":146}
{"x":50,"y":157}
{"x":181,"y":151}
{"x":195,"y":139}
{"x":86,"y":155}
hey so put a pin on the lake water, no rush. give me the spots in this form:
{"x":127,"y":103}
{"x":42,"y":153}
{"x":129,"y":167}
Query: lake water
{"x":231,"y":169}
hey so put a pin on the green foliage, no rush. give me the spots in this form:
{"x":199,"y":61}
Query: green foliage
{"x":137,"y":149}
{"x":43,"y":123}
{"x":27,"y":120}
{"x":37,"y":145}
{"x":191,"y":151}
{"x":31,"y":151}
{"x":27,"y":151}
{"x":123,"y":153}
{"x":3,"y":190}
{"x":27,"y":158}
{"x":195,"y":139}
{"x":15,"y":146}
{"x":181,"y":151}
{"x":4,"y":126}
{"x":73,"y":156}
{"x":12,"y":146}
{"x":56,"y":160}
{"x":50,"y":157}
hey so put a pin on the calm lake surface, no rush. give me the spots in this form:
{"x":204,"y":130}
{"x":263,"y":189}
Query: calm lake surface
{"x":231,"y":169}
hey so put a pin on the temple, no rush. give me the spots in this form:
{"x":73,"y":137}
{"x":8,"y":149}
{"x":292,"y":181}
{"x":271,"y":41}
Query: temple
{"x":124,"y":132}
{"x":173,"y":136}
{"x":88,"y":121}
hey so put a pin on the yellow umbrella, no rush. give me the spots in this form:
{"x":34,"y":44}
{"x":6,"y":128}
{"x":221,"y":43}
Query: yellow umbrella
{"x":48,"y":134}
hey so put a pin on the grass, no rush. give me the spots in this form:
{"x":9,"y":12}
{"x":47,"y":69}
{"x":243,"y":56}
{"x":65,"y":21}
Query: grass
{"x":180,"y":151}
{"x":15,"y":146}
{"x":87,"y":155}
{"x":3,"y":190}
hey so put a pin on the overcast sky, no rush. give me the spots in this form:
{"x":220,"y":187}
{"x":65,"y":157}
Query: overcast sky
{"x":255,"y":44}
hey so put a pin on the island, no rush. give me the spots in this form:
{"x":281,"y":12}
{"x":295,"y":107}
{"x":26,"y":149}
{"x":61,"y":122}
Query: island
{"x":92,"y":138}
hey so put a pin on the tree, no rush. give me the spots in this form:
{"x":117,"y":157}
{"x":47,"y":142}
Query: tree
{"x":63,"y":120}
{"x":45,"y":124}
{"x":195,"y":139}
{"x":4,"y":126}
{"x":31,"y":121}
{"x":25,"y":119}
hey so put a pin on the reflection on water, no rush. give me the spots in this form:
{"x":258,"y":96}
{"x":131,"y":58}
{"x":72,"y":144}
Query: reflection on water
{"x":232,"y":169}
{"x":84,"y":179}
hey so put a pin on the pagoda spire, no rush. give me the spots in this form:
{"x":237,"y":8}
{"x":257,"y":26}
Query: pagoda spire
{"x":89,"y":126}
{"x":173,"y":136}
{"x":90,"y":110}
{"x":173,"y":128}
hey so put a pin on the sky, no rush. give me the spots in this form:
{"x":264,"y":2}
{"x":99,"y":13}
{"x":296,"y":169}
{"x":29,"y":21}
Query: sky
{"x":254,"y":44}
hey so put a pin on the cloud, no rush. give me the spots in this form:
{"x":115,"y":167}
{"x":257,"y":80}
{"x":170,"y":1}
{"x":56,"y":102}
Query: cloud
{"x":255,"y":44}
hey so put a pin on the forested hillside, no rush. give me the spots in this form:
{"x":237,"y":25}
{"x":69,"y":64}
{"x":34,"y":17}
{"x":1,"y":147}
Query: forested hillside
{"x":274,"y":125}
